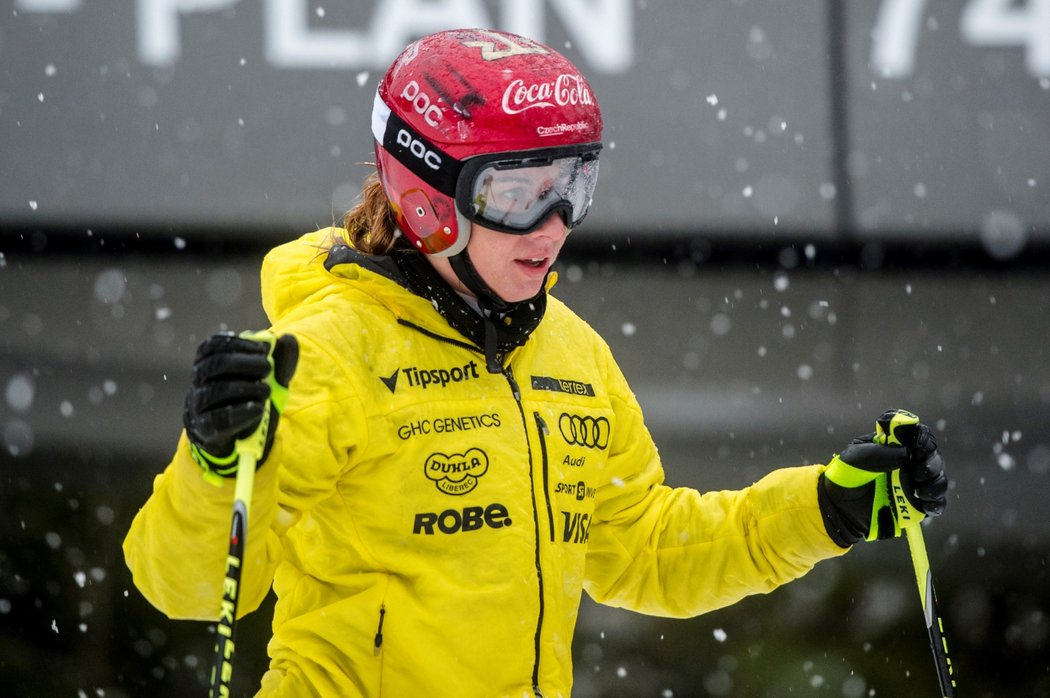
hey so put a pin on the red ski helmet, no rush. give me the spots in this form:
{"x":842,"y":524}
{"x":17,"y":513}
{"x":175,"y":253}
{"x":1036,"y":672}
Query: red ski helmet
{"x":485,"y":126}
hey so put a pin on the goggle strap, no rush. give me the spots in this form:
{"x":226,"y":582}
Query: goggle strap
{"x":424,"y":159}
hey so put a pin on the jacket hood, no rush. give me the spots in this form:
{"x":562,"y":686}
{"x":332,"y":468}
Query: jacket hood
{"x":295,"y":273}
{"x":289,"y":274}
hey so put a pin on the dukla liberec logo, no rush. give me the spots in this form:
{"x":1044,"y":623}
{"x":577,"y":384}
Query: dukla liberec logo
{"x":458,"y":473}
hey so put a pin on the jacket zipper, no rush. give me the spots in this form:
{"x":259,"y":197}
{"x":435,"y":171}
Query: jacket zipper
{"x":379,"y":630}
{"x":509,"y":375}
{"x":544,"y":433}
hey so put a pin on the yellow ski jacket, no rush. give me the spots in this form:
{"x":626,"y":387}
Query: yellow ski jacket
{"x":428,"y":526}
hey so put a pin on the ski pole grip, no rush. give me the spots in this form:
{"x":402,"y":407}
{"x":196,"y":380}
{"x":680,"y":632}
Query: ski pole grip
{"x":251,"y":447}
{"x":893,"y":426}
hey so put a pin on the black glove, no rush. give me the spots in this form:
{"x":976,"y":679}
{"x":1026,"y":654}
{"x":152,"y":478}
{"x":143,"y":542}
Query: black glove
{"x":883,"y":482}
{"x":237,"y":380}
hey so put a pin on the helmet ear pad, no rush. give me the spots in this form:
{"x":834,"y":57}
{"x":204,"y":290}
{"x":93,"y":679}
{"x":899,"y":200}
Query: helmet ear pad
{"x":424,"y":215}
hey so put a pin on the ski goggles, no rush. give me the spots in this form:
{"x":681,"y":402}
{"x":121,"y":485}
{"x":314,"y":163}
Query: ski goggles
{"x":515,"y":192}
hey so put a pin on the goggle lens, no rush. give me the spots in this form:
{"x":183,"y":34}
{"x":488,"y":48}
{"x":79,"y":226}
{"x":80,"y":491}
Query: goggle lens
{"x":516,"y":195}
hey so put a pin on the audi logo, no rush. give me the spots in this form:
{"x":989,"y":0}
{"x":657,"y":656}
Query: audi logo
{"x":592,"y":432}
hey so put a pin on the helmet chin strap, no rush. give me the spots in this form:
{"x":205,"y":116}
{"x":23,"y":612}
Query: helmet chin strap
{"x":488,"y":300}
{"x":489,"y":303}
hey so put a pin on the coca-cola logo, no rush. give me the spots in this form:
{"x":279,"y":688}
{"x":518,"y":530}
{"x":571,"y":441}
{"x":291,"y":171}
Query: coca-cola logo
{"x":563,"y":91}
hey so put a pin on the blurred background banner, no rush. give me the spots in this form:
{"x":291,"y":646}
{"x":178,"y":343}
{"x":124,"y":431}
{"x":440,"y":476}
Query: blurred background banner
{"x":835,"y":119}
{"x":809,"y":212}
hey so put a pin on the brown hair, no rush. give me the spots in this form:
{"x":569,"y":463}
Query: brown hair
{"x":369,"y":225}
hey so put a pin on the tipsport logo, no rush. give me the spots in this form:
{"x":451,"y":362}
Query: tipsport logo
{"x":589,"y":432}
{"x":426,"y":377}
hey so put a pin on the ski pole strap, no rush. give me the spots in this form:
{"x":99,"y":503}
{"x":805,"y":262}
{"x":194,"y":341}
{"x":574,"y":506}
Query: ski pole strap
{"x":214,"y":469}
{"x":255,"y":443}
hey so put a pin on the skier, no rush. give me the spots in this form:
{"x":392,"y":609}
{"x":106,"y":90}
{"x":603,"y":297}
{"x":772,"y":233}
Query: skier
{"x":459,"y":456}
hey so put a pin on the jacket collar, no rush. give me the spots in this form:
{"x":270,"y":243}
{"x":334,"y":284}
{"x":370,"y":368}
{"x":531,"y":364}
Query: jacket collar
{"x":494,"y":334}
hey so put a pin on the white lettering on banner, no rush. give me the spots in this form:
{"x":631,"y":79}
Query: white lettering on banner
{"x":606,"y":42}
{"x":397,"y":22}
{"x":291,"y":43}
{"x":565,"y":90}
{"x":895,"y":36}
{"x":158,"y":24}
{"x":61,"y":6}
{"x":600,"y":29}
{"x":1005,"y":23}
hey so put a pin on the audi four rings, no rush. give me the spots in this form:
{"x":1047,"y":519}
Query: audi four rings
{"x":591,"y":432}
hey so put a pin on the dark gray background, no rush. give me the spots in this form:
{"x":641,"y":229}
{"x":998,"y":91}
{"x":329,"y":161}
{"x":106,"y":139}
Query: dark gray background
{"x":864,"y":227}
{"x":752,"y":116}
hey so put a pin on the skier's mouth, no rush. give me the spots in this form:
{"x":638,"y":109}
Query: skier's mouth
{"x":533,"y":265}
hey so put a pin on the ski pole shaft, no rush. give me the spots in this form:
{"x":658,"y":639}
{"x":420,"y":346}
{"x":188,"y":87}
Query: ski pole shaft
{"x":282,"y":355}
{"x":225,"y":644}
{"x":249,"y":452}
{"x":934,"y":625}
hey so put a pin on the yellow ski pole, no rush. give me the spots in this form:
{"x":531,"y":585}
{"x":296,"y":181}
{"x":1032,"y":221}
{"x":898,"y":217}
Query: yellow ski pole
{"x":886,"y":432}
{"x":249,"y":451}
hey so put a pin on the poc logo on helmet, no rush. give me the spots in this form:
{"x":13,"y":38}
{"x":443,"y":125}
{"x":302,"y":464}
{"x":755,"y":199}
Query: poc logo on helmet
{"x":590,"y":432}
{"x":420,"y":101}
{"x":416,"y":147}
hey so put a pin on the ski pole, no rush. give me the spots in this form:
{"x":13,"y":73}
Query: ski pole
{"x":249,"y":451}
{"x":934,"y":623}
{"x":886,"y":432}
